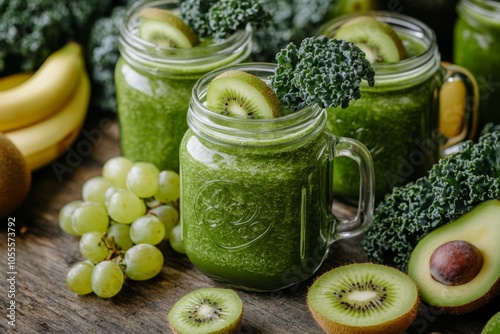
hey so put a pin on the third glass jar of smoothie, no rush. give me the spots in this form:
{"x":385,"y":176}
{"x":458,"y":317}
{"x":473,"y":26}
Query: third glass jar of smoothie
{"x":398,"y":118}
{"x":477,"y":47}
{"x":256,"y":194}
{"x":153,"y":86}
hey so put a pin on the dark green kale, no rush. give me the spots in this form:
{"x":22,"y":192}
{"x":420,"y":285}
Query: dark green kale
{"x":221,"y":18}
{"x":323,"y":71}
{"x":31,"y":30}
{"x":291,"y":22}
{"x":453,"y":186}
{"x":102,"y":55}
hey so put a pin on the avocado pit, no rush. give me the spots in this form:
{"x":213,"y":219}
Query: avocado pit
{"x":455,"y":262}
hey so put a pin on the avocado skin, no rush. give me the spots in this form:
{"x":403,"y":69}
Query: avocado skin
{"x":481,"y":227}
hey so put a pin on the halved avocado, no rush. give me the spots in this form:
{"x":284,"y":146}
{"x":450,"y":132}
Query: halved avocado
{"x":479,"y":227}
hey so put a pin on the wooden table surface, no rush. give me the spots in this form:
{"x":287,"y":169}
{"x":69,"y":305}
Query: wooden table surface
{"x":43,"y":254}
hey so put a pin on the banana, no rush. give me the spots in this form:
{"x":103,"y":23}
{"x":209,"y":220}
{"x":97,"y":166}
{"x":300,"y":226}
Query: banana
{"x":14,"y":80}
{"x":45,"y":92}
{"x":43,"y":142}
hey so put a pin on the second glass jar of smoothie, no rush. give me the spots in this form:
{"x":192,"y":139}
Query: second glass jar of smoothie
{"x":398,"y":118}
{"x":256,"y":193}
{"x":153,"y":86}
{"x":477,"y":47}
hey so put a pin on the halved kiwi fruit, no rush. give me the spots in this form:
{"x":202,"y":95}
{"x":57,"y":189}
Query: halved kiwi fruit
{"x":364,"y":298}
{"x":377,"y":39}
{"x":240,"y":94}
{"x":161,"y":27}
{"x":207,"y":310}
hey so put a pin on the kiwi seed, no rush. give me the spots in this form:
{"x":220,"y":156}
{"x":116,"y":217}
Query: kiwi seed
{"x":161,"y":27}
{"x":240,"y":94}
{"x":207,"y":310}
{"x":363,"y":298}
{"x":377,"y":39}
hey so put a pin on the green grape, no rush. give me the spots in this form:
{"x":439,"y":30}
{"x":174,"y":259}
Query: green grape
{"x":65,"y":216}
{"x":116,"y":170}
{"x":88,"y":217}
{"x":92,"y":247}
{"x":175,"y":239}
{"x":78,"y":277}
{"x":107,"y":279}
{"x":142,"y":179}
{"x":93,"y":189}
{"x":110,"y":191}
{"x":147,"y":229}
{"x":168,"y":187}
{"x":168,"y":215}
{"x":143,"y":262}
{"x":125,"y":207}
{"x":121,"y":235}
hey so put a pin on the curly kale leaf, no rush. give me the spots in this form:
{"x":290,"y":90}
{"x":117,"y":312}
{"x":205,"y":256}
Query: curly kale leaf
{"x":227,"y":16}
{"x":453,"y":187}
{"x":221,"y":18}
{"x":32,"y":29}
{"x":323,"y":71}
{"x":194,"y":12}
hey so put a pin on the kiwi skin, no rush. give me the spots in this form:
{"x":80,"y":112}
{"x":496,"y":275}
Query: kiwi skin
{"x":394,"y":326}
{"x":257,"y":95}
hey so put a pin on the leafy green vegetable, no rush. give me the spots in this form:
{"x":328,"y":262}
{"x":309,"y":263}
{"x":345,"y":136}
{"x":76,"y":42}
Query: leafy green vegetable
{"x":291,"y":22}
{"x":221,"y":18}
{"x":102,"y":54}
{"x":31,"y":30}
{"x":323,"y":71}
{"x":453,"y":187}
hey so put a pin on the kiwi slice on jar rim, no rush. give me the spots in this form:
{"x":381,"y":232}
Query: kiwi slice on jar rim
{"x":163,"y":28}
{"x":207,"y":310}
{"x":364,"y":298}
{"x":377,"y":39}
{"x":240,"y":94}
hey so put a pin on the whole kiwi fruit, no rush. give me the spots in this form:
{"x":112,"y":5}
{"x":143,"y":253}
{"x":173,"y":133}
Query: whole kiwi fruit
{"x":15,"y":177}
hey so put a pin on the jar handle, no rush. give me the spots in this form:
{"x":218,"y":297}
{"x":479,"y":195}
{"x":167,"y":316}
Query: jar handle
{"x":458,"y":109}
{"x":350,"y":227}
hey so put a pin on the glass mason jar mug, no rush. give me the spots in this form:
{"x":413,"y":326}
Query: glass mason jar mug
{"x":256,"y":194}
{"x":477,"y":47}
{"x":399,"y":119}
{"x":153,"y":86}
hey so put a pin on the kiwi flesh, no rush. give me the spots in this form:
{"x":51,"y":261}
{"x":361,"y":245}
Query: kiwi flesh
{"x":377,"y":39}
{"x":163,"y":28}
{"x":207,"y":310}
{"x":240,"y":94}
{"x":363,"y":298}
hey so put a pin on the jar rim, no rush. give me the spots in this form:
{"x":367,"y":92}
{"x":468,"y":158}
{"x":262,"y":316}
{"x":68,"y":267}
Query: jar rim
{"x":427,"y":61}
{"x":147,"y":53}
{"x":251,"y":132}
{"x":485,"y":11}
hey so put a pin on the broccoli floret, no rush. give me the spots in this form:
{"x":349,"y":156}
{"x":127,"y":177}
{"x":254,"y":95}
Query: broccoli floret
{"x":32,"y":29}
{"x":221,"y":18}
{"x":453,"y":186}
{"x":323,"y":71}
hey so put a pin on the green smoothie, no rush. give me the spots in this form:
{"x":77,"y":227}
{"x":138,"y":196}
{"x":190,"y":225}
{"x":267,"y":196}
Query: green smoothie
{"x":153,"y":88}
{"x":254,"y":216}
{"x":477,"y":48}
{"x":397,"y":120}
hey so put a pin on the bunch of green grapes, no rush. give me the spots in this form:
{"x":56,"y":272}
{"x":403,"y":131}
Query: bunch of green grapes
{"x":124,"y":216}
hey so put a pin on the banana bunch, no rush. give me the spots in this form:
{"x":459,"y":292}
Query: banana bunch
{"x":42,"y":113}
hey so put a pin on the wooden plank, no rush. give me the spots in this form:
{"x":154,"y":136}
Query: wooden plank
{"x":44,"y":253}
